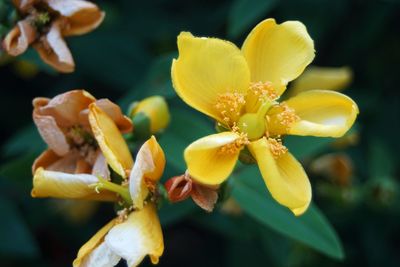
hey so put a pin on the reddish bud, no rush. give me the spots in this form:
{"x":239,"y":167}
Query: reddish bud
{"x":178,"y":188}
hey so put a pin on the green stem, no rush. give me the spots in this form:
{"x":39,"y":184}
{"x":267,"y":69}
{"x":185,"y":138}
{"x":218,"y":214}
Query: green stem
{"x":119,"y":189}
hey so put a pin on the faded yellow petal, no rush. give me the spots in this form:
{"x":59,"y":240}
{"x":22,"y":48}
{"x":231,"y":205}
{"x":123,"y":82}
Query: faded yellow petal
{"x":110,"y":140}
{"x":211,"y":159}
{"x":278,"y":53}
{"x":323,"y":78}
{"x":54,"y":51}
{"x":206,"y":68}
{"x":66,"y":185}
{"x":147,"y":170}
{"x":322,"y":113}
{"x":91,"y":245}
{"x":138,"y":236}
{"x":285,"y":178}
{"x":82,"y":16}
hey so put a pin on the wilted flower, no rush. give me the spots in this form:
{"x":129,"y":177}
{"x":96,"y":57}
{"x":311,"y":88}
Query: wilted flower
{"x":181,"y":187}
{"x":136,"y":232}
{"x":239,"y":89}
{"x":82,"y":133}
{"x":45,"y":23}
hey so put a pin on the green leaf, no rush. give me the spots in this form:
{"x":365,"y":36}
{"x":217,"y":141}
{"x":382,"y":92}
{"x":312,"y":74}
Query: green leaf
{"x":171,"y":213}
{"x":307,"y":146}
{"x":186,"y":126}
{"x":17,"y":240}
{"x":247,"y":13}
{"x":26,"y":139}
{"x":311,"y":229}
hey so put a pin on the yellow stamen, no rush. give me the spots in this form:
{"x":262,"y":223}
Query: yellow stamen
{"x":230,"y":105}
{"x":258,"y":94}
{"x":280,"y":118}
{"x":276,"y":147}
{"x":237,"y":145}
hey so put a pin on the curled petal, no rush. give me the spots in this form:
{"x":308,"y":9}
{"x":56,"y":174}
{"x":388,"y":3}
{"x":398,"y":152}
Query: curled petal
{"x":278,"y":53}
{"x":322,"y":78}
{"x":179,"y":188}
{"x":65,"y":108}
{"x":52,"y":162}
{"x":85,"y":258}
{"x":205,"y":197}
{"x":110,"y":140}
{"x":285,"y":178}
{"x":147,"y":170}
{"x":23,"y":5}
{"x":65,"y":185}
{"x":51,"y":133}
{"x":211,"y":159}
{"x":322,"y":113}
{"x":54,"y":51}
{"x":138,"y":236}
{"x":82,"y":16}
{"x":19,"y":38}
{"x":207,"y":68}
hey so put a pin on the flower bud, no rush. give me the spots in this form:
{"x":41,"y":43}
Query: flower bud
{"x":149,"y":116}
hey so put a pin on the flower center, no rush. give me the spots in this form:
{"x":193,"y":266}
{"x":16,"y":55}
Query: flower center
{"x":230,"y":105}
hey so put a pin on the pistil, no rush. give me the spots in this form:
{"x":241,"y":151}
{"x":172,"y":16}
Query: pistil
{"x":110,"y":186}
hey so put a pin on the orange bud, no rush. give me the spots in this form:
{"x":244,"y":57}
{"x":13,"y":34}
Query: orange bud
{"x":179,"y":188}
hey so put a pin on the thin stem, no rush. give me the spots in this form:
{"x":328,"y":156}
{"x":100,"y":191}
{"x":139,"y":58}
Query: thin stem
{"x":119,"y":189}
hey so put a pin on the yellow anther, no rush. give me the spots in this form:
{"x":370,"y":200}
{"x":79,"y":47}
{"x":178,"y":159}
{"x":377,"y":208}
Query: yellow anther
{"x":276,"y":147}
{"x":259,"y":93}
{"x":234,"y":147}
{"x":230,"y":105}
{"x":280,"y":118}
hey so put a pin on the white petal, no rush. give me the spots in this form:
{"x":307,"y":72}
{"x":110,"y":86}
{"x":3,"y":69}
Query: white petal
{"x":102,"y":256}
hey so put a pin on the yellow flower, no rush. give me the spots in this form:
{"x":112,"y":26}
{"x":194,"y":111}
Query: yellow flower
{"x":45,"y":23}
{"x":83,"y":134}
{"x":325,"y":78}
{"x":137,"y":231}
{"x":239,"y":88}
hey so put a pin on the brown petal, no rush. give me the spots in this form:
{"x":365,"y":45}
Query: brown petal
{"x":51,"y":133}
{"x":45,"y":159}
{"x":40,"y":102}
{"x":54,"y":51}
{"x":179,"y":188}
{"x":82,"y":166}
{"x":23,"y":5}
{"x":50,"y":161}
{"x":100,"y":167}
{"x":205,"y":197}
{"x":82,"y":16}
{"x":19,"y":38}
{"x":66,"y":107}
{"x":123,"y":123}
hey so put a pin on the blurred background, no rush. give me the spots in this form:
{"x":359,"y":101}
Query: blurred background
{"x":355,"y":179}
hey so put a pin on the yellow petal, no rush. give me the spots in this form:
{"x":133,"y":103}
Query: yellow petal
{"x":211,"y":159}
{"x":65,"y":185}
{"x":206,"y":68}
{"x":138,"y":236}
{"x":322,"y":113}
{"x":147,"y":170}
{"x":285,"y":177}
{"x":110,"y":140}
{"x":94,"y":242}
{"x":278,"y":52}
{"x":323,"y":78}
